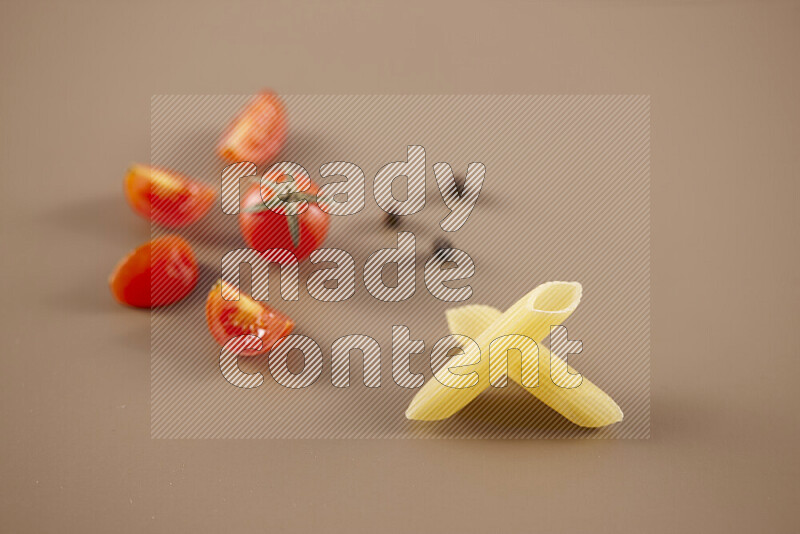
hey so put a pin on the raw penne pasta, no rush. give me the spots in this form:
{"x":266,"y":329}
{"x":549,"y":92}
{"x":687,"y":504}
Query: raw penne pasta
{"x":586,"y":405}
{"x":471,"y":320}
{"x":531,"y":316}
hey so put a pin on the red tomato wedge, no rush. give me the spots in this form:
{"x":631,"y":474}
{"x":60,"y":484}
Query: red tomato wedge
{"x":257,"y":133}
{"x":160,"y":272}
{"x":166,"y":197}
{"x":246,"y":316}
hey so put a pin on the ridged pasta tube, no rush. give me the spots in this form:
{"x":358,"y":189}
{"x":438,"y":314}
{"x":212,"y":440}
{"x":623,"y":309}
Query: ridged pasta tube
{"x":586,"y":405}
{"x":547,"y":305}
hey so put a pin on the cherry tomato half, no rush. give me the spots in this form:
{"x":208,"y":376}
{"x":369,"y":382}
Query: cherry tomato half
{"x":166,"y":197}
{"x":231,"y":318}
{"x":157,"y":273}
{"x":257,"y":133}
{"x":264,"y":229}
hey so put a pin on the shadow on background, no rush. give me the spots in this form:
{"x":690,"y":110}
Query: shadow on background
{"x":501,"y":413}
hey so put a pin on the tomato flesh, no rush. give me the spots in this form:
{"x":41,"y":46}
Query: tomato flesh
{"x":231,"y":318}
{"x":257,"y":133}
{"x":158,"y":273}
{"x":166,"y":197}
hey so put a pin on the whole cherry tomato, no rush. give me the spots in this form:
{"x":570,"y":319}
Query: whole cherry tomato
{"x":231,"y":318}
{"x":264,"y":229}
{"x":257,"y":133}
{"x":166,"y":197}
{"x":157,"y":273}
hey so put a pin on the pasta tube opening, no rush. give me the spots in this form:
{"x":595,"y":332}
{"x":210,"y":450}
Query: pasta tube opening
{"x":556,"y":297}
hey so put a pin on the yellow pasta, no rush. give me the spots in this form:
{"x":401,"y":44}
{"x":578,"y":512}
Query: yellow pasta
{"x":471,"y":320}
{"x":586,"y":405}
{"x":531,"y":316}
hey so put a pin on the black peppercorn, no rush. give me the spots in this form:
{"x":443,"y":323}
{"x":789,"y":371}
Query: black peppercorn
{"x":390,"y":220}
{"x":440,"y":248}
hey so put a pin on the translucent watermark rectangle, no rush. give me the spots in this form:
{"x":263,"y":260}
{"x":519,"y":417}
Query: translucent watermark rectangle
{"x":400,"y":266}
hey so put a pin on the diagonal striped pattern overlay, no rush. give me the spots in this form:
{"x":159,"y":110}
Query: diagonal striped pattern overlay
{"x":566,"y":196}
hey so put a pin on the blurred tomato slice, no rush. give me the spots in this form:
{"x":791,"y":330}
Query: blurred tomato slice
{"x":257,"y":133}
{"x":157,"y":273}
{"x":166,"y":197}
{"x":246,"y":316}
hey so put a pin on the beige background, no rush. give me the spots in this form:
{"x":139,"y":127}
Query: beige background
{"x":75,"y":446}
